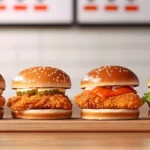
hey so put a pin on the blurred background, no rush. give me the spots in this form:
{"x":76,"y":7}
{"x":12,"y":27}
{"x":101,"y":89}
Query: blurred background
{"x":75,"y":36}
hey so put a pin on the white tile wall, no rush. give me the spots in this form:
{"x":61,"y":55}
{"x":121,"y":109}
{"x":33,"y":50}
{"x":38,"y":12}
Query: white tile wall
{"x":76,"y":51}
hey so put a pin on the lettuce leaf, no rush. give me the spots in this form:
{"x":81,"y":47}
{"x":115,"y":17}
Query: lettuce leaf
{"x":146,"y":97}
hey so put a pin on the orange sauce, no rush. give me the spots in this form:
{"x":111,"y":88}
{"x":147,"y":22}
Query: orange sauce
{"x":108,"y":91}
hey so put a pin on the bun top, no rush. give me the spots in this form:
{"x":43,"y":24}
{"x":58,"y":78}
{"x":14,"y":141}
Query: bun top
{"x":109,"y":76}
{"x":42,"y":77}
{"x":2,"y":83}
{"x":148,"y":83}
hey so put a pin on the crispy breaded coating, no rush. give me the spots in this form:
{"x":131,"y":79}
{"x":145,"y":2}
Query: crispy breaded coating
{"x":2,"y":101}
{"x":57,"y":101}
{"x":125,"y":101}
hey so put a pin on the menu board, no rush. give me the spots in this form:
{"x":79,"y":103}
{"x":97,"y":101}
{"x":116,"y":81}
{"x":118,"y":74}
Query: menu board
{"x":36,"y":12}
{"x":113,"y":11}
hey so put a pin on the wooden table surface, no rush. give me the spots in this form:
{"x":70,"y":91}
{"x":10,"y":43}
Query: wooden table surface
{"x":65,"y":135}
{"x":74,"y":125}
{"x":75,"y":140}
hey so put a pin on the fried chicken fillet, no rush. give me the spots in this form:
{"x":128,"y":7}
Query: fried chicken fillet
{"x":86,"y":100}
{"x":57,"y":101}
{"x":2,"y":101}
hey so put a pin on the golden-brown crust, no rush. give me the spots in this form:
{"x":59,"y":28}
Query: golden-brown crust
{"x":86,"y":100}
{"x":57,"y":101}
{"x":41,"y":77}
{"x":2,"y":101}
{"x":109,"y":114}
{"x":109,"y":76}
{"x":42,"y":114}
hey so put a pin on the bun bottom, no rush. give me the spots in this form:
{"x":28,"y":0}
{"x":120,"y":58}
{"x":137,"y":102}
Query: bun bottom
{"x":1,"y":113}
{"x":42,"y":114}
{"x":149,"y":114}
{"x":109,"y":114}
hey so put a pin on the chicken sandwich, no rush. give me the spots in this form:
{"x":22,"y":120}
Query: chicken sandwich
{"x":41,"y":94}
{"x":108,"y":93}
{"x":2,"y":99}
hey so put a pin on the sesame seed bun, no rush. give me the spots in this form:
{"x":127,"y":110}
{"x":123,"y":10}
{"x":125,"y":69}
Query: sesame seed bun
{"x":42,"y":77}
{"x":109,"y":114}
{"x":42,"y":114}
{"x":109,"y":76}
{"x":2,"y":83}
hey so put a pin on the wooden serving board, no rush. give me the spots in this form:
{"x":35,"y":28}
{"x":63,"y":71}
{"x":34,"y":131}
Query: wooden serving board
{"x":74,"y":125}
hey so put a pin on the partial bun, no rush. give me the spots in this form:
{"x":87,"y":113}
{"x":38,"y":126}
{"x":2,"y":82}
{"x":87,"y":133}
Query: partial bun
{"x":149,"y":114}
{"x":42,"y":77}
{"x":42,"y":114}
{"x":2,"y":83}
{"x":109,"y":76}
{"x":109,"y":114}
{"x":148,"y":84}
